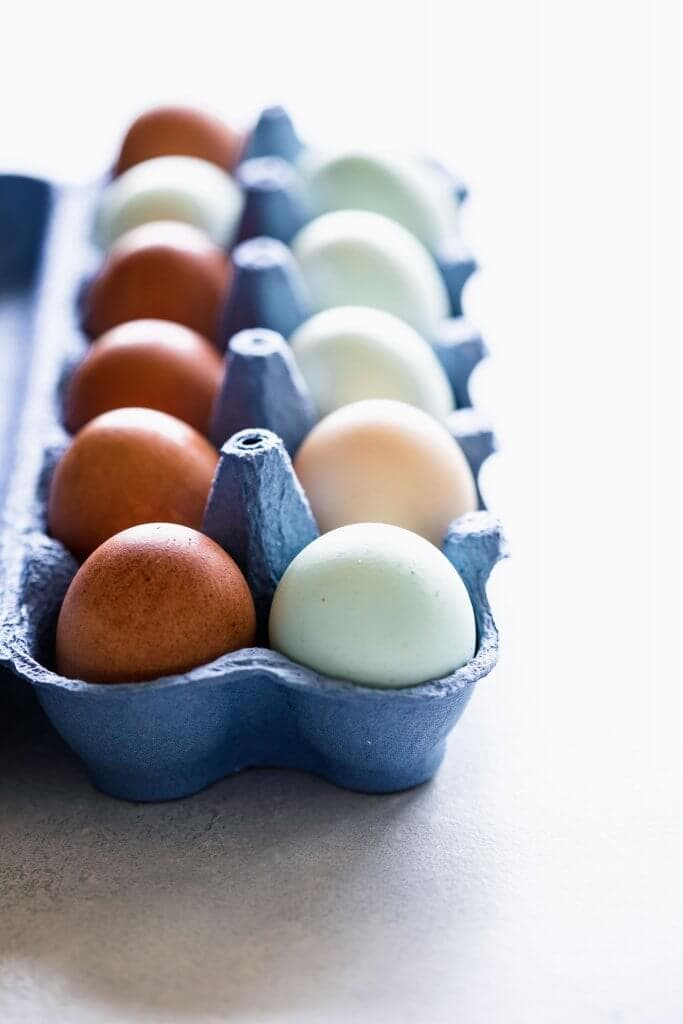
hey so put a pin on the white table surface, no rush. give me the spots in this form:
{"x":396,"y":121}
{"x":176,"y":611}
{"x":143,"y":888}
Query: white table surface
{"x":537,"y":879}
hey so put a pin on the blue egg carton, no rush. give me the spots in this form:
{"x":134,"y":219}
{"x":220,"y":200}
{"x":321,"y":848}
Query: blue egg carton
{"x":171,"y":737}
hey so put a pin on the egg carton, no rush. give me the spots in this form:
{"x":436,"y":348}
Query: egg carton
{"x":254,"y":707}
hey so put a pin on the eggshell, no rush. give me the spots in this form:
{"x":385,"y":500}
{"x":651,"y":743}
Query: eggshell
{"x":385,"y":462}
{"x":409,"y":191}
{"x":165,"y":271}
{"x":154,"y":364}
{"x":170,"y":188}
{"x":126,"y":467}
{"x":353,"y":352}
{"x":356,"y":258}
{"x":179,"y":131}
{"x":376,"y":605}
{"x":152,"y":601}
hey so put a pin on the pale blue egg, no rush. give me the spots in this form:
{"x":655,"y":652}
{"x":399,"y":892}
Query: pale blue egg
{"x":376,"y":605}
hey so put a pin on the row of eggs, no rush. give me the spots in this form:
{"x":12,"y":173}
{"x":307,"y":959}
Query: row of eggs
{"x":374,"y":222}
{"x":412,"y":192}
{"x":384,"y":478}
{"x":344,"y":354}
{"x":371,"y":460}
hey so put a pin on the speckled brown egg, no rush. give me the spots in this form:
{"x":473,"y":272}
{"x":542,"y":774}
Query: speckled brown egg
{"x":382,"y":461}
{"x":165,"y":270}
{"x":126,"y":467}
{"x":179,"y":131}
{"x":152,"y":601}
{"x":154,"y":364}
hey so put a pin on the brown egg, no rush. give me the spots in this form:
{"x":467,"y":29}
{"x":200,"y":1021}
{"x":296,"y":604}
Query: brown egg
{"x":152,"y":601}
{"x":164,"y":270}
{"x":381,"y":461}
{"x":179,"y":131}
{"x":126,"y":467}
{"x":154,"y":364}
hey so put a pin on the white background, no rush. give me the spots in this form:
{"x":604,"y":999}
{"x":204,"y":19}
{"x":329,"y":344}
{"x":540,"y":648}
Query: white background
{"x":561,"y":117}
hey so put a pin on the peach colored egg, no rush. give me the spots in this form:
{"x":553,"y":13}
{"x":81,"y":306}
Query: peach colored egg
{"x":126,"y":467}
{"x":154,"y":364}
{"x":165,"y":270}
{"x":152,"y":601}
{"x":381,"y":461}
{"x":179,"y":131}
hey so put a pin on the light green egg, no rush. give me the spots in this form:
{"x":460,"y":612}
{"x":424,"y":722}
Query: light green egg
{"x":181,"y":188}
{"x":350,"y":353}
{"x":417,"y":195}
{"x":356,"y":258}
{"x":376,"y":605}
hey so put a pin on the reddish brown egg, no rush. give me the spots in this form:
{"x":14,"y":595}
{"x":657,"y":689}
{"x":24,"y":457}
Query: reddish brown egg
{"x":165,"y":270}
{"x":126,"y":467}
{"x":179,"y":131}
{"x":152,"y":601}
{"x":153,"y":364}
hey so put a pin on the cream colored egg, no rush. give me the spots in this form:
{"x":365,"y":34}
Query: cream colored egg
{"x":410,"y":191}
{"x":357,"y":258}
{"x":168,"y":188}
{"x":376,"y":605}
{"x":385,"y":462}
{"x":354,"y":352}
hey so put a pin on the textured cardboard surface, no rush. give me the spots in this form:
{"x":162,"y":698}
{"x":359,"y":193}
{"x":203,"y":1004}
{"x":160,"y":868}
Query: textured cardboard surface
{"x":263,"y":388}
{"x":258,"y":512}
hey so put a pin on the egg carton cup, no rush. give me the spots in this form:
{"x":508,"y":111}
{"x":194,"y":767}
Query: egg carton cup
{"x":254,"y":707}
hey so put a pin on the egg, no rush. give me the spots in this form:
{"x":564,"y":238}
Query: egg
{"x":179,"y":188}
{"x":179,"y":131}
{"x":357,"y":258}
{"x":154,"y":364}
{"x":376,"y":605}
{"x":349,"y":353}
{"x":165,"y":271}
{"x":126,"y":467}
{"x":152,"y":601}
{"x":382,"y":461}
{"x":412,"y":192}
